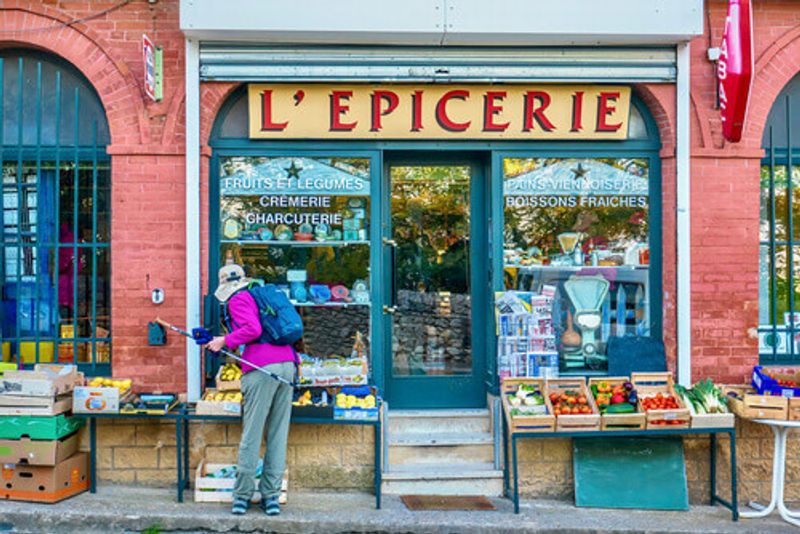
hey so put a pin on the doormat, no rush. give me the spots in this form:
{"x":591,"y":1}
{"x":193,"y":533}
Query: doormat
{"x":446,"y":502}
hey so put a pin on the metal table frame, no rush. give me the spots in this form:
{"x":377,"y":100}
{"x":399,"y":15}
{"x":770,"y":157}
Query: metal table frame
{"x":187,"y":415}
{"x":513,"y":494}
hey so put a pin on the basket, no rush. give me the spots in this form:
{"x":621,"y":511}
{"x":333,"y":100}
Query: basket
{"x":619,"y":421}
{"x":749,"y":405}
{"x":578,"y":422}
{"x":526,"y":423}
{"x":650,"y":384}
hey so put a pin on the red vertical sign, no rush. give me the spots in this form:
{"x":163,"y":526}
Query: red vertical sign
{"x":735,"y":68}
{"x":149,"y":59}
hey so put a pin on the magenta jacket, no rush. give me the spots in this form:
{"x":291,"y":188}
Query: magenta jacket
{"x":247,"y":329}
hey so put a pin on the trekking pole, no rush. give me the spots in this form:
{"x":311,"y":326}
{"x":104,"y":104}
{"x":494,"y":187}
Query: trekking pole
{"x":201,"y":336}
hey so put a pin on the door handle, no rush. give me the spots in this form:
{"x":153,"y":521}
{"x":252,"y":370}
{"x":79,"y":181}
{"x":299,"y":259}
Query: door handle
{"x":390,"y":242}
{"x":389,"y":309}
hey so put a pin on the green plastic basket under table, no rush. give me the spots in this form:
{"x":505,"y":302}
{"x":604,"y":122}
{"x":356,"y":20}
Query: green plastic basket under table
{"x":51,"y":427}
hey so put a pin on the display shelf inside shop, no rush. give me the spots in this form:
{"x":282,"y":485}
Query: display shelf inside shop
{"x":329,"y":304}
{"x":293,"y":243}
{"x":573,"y":268}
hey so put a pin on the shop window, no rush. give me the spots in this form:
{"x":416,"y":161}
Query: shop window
{"x":577,"y":244}
{"x":779,"y":257}
{"x":302,"y":223}
{"x":54,"y":252}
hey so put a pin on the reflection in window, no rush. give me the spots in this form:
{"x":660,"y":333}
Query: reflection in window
{"x":577,"y":248}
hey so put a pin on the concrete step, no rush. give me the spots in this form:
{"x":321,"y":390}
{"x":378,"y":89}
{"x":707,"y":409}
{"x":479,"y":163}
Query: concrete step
{"x":443,"y":449}
{"x":443,"y":479}
{"x":440,"y":421}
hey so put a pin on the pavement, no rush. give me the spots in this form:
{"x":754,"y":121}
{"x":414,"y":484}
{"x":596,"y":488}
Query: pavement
{"x":125,"y":509}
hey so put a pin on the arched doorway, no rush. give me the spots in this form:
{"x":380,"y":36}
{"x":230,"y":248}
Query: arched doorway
{"x":55,"y":248}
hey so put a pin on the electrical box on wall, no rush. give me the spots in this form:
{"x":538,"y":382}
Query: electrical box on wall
{"x":156,"y":335}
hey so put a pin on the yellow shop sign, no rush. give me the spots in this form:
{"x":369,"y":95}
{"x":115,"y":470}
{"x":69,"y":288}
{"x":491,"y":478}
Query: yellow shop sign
{"x":313,"y":111}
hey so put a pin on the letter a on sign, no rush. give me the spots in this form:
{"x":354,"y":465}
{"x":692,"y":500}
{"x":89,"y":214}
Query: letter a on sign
{"x":735,"y":69}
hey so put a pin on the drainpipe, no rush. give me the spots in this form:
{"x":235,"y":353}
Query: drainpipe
{"x":683,"y":218}
{"x":192,"y":108}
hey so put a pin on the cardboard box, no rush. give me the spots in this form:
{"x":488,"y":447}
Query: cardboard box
{"x":209,"y":407}
{"x":45,"y":484}
{"x":208,"y":489}
{"x":21,"y":405}
{"x":46,"y":380}
{"x":227,"y":385}
{"x":87,"y":399}
{"x":22,"y":426}
{"x":38,"y":452}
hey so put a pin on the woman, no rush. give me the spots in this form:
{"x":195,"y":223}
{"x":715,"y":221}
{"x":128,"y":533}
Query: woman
{"x":267,"y":402}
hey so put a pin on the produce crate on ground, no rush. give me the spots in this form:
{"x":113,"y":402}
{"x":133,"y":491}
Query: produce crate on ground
{"x":649,"y":386}
{"x":624,"y":415}
{"x":746,"y":403}
{"x":38,"y":452}
{"x":214,"y":483}
{"x":219,"y":403}
{"x":229,"y":378}
{"x":23,"y":405}
{"x":45,"y":380}
{"x":571,"y":394}
{"x":526,"y":419}
{"x":47,"y":484}
{"x":24,"y":426}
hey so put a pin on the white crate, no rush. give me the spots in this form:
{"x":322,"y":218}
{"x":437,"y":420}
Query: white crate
{"x":207,"y":489}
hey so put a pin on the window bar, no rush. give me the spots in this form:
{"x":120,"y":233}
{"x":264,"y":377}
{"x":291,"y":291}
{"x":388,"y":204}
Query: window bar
{"x":94,"y":247}
{"x":772,"y":249}
{"x":37,"y":273}
{"x":57,"y":248}
{"x":790,"y":236}
{"x":20,"y":89}
{"x":75,"y":204}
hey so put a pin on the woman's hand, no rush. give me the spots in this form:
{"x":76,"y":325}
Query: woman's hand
{"x":216,"y":344}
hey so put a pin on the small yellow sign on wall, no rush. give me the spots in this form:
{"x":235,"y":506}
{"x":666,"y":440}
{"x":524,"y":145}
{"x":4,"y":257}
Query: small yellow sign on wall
{"x":315,"y":111}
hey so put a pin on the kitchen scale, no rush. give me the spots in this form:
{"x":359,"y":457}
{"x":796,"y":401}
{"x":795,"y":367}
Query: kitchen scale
{"x":587,"y":294}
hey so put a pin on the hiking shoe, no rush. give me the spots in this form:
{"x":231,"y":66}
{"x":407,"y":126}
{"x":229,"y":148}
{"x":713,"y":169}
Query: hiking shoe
{"x":271,"y":506}
{"x":239,"y":507}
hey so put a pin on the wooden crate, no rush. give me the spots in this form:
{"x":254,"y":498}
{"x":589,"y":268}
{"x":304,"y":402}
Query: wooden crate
{"x":578,"y":422}
{"x":208,"y":489}
{"x":794,"y":409}
{"x":650,"y":384}
{"x":40,"y":406}
{"x":711,"y":420}
{"x":526,"y":423}
{"x":226,"y":385}
{"x":750,"y":405}
{"x":222,"y":407}
{"x":619,"y":421}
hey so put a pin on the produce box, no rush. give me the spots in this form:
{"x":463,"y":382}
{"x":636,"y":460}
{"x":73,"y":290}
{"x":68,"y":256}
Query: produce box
{"x":38,"y":452}
{"x":635,"y":420}
{"x":5,"y":366}
{"x":776,"y":382}
{"x":86,"y":399}
{"x":357,"y":403}
{"x":706,"y":402}
{"x":649,"y":386}
{"x":149,"y":404}
{"x":45,"y":380}
{"x":208,"y":488}
{"x":568,"y":393}
{"x":22,"y":405}
{"x":518,"y":421}
{"x":216,"y":403}
{"x":710,"y":420}
{"x":46,"y":484}
{"x":746,"y":403}
{"x":229,"y":378}
{"x":55,"y":427}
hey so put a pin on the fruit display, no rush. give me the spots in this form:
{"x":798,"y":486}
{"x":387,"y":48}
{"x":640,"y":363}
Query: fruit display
{"x":222,"y":396}
{"x":310,"y":397}
{"x":527,"y":400}
{"x":570,"y":402}
{"x":122,"y":385}
{"x":356,"y":402}
{"x":351,"y":401}
{"x":618,"y":398}
{"x":230,"y":372}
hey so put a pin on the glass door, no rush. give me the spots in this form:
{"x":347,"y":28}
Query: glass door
{"x":435,"y":252}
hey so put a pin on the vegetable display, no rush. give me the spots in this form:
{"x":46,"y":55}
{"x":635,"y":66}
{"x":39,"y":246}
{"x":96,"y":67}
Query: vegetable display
{"x":620,"y":398}
{"x":704,"y":397}
{"x":660,"y":402}
{"x":570,"y":402}
{"x":527,"y":400}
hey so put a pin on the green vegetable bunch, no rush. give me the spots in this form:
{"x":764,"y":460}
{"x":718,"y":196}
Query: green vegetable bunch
{"x":704,"y":397}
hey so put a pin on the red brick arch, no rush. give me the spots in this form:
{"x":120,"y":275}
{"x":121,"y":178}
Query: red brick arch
{"x":116,"y":86}
{"x":775,"y":67}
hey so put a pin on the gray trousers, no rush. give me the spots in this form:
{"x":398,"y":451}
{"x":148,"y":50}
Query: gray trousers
{"x":266,"y":412}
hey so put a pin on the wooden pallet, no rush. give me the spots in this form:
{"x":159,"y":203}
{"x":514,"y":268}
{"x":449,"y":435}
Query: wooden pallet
{"x":526,"y":423}
{"x":41,"y":406}
{"x":577,"y":422}
{"x":619,"y":421}
{"x":649,"y":384}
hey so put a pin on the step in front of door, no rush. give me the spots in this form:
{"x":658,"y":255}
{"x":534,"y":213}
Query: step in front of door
{"x":464,"y":479}
{"x":438,"y":421}
{"x":449,"y":448}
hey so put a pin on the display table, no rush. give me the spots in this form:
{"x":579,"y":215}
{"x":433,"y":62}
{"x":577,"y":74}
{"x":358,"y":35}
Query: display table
{"x":511,"y":469}
{"x":780,"y":430}
{"x":188,"y":415}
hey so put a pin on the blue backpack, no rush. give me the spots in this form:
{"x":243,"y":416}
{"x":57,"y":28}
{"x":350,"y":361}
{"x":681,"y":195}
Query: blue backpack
{"x":280,"y":322}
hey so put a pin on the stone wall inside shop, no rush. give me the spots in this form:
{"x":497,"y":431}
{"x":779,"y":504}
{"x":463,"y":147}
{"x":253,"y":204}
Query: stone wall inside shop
{"x":432,"y":331}
{"x":545,"y":466}
{"x":319,"y":457}
{"x":331,"y":331}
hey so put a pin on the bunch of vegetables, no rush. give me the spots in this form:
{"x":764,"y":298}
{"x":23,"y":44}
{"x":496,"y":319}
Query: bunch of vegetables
{"x":620,"y":398}
{"x":659,"y":401}
{"x":570,"y":403}
{"x":704,"y":397}
{"x":527,"y":400}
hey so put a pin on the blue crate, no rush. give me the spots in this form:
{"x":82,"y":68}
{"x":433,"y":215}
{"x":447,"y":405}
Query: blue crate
{"x":765,"y":385}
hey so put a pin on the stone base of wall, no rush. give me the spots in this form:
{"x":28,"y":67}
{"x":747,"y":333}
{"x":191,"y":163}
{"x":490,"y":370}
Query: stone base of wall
{"x":319,"y":456}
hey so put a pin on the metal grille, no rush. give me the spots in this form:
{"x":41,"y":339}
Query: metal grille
{"x":55,"y":248}
{"x":779,"y":324}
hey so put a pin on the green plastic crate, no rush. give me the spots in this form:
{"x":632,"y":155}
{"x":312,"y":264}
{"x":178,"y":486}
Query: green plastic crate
{"x":55,"y":427}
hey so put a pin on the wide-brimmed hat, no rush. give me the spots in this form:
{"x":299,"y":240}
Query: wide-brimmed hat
{"x":231,"y":280}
